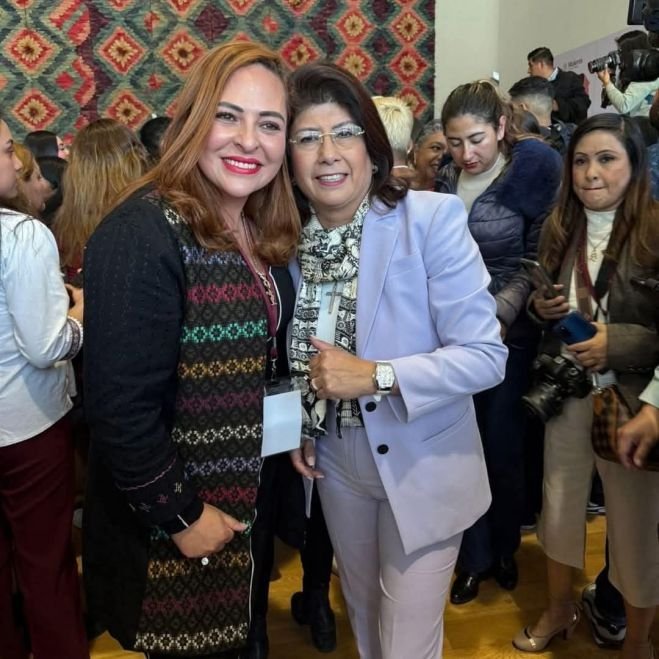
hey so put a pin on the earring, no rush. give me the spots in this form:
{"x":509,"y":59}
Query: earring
{"x":375,"y":169}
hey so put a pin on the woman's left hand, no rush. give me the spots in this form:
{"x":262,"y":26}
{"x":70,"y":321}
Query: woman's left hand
{"x":592,"y":353}
{"x":604,"y":76}
{"x":336,"y":374}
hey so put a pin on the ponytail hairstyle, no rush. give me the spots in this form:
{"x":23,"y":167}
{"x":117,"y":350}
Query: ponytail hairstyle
{"x":482,"y":100}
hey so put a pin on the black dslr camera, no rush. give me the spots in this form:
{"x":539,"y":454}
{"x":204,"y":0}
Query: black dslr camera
{"x":627,"y":66}
{"x":610,"y":60}
{"x":635,"y":65}
{"x":554,"y":380}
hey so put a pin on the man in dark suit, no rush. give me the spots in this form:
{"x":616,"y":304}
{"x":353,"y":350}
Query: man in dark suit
{"x":571,"y":102}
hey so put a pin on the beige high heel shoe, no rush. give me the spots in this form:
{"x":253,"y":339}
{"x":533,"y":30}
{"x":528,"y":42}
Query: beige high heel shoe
{"x":528,"y":642}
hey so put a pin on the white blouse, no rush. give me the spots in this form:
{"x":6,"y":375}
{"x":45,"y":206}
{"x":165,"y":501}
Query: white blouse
{"x":35,"y":332}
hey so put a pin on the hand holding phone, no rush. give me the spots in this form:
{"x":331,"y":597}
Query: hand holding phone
{"x":574,"y":328}
{"x":592,"y":353}
{"x":540,"y":278}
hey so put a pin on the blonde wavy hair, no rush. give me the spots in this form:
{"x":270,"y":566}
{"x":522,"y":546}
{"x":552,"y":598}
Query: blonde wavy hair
{"x":105,"y":157}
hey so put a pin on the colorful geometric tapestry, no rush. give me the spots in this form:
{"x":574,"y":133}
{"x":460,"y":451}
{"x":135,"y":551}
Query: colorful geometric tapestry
{"x":64,"y":63}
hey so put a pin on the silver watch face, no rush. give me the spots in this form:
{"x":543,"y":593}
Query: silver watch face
{"x":384,"y":376}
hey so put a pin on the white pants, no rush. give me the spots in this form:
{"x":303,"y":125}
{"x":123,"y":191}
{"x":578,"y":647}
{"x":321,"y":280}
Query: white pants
{"x":395,"y":601}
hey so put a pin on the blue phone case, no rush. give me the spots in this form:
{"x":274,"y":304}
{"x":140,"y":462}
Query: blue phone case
{"x":574,"y":328}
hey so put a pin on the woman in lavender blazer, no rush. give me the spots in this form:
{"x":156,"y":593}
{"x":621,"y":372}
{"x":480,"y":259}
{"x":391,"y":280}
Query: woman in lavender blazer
{"x":394,"y":330}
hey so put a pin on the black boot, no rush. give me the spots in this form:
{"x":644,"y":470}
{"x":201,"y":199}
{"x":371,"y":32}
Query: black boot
{"x":257,"y":640}
{"x":505,"y":572}
{"x":313,"y":608}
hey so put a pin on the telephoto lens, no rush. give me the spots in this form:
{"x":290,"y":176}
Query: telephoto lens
{"x":611,"y":61}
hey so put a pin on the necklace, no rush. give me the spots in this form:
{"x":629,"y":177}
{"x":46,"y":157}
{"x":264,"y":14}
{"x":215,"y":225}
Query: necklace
{"x":255,"y":263}
{"x":595,"y":248}
{"x":265,"y":280}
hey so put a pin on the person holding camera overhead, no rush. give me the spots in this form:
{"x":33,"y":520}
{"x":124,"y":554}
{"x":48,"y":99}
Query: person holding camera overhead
{"x":632,"y":98}
{"x":602,"y":233}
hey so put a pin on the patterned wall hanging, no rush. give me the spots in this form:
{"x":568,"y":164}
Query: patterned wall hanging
{"x":65,"y":63}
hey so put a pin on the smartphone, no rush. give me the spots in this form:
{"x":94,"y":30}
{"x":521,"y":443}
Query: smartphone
{"x":574,"y":328}
{"x":541,"y":280}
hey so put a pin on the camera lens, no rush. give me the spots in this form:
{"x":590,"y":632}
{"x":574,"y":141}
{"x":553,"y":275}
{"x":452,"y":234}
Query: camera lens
{"x":544,"y":400}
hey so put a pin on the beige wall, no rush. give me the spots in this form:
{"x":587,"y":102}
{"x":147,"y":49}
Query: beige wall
{"x":562,"y":25}
{"x":476,"y":37}
{"x":467,"y":43}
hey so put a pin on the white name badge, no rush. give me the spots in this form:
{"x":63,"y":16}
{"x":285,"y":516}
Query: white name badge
{"x":282,"y":422}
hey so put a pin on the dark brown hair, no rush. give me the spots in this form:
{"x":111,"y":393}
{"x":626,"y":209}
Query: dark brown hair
{"x":637,"y":217}
{"x":322,"y":82}
{"x":482,"y":100}
{"x":181,"y":182}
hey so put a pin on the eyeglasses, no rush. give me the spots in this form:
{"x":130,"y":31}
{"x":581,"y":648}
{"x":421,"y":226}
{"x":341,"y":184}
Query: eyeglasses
{"x":344,"y":137}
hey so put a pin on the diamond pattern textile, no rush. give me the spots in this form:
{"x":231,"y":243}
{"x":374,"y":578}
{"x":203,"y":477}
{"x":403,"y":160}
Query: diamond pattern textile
{"x":65,"y":63}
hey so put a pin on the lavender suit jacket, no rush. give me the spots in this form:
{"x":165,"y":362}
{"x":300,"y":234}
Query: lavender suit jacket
{"x":423,"y":305}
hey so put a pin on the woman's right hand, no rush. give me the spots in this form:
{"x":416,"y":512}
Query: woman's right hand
{"x":638,"y":437}
{"x":209,"y":534}
{"x":551,"y":308}
{"x":304,"y":460}
{"x":76,"y":310}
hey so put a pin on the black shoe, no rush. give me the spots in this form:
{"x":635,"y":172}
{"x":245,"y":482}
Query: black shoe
{"x":313,"y":608}
{"x":505,"y":573}
{"x":93,"y":628}
{"x":465,"y":587}
{"x":257,"y":640}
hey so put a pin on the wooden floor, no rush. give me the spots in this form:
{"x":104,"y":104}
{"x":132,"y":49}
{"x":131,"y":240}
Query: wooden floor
{"x":483,"y":628}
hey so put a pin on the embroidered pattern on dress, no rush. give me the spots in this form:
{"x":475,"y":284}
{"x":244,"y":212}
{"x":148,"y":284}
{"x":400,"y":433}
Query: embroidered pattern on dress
{"x":189,"y":607}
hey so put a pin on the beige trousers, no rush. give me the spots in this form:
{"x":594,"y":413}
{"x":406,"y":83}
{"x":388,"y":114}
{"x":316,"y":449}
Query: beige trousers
{"x":632,"y":506}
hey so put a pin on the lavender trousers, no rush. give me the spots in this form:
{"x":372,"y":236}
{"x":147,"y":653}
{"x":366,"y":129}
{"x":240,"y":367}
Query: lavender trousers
{"x":395,"y":600}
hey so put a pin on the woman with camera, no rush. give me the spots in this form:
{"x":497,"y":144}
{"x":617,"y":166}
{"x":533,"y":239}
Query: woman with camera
{"x":633,"y":98}
{"x":602,"y":233}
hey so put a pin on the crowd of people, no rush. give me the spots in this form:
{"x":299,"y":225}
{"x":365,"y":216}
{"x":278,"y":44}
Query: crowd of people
{"x":446,"y":305}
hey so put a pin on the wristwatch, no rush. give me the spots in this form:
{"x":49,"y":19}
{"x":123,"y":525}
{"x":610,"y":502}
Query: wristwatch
{"x":384,"y":378}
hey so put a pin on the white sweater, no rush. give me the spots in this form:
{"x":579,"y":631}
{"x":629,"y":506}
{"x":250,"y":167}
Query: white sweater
{"x":636,"y":100}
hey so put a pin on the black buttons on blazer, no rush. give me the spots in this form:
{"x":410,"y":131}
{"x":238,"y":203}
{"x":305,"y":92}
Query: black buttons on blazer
{"x":370,"y":406}
{"x":382,"y":449}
